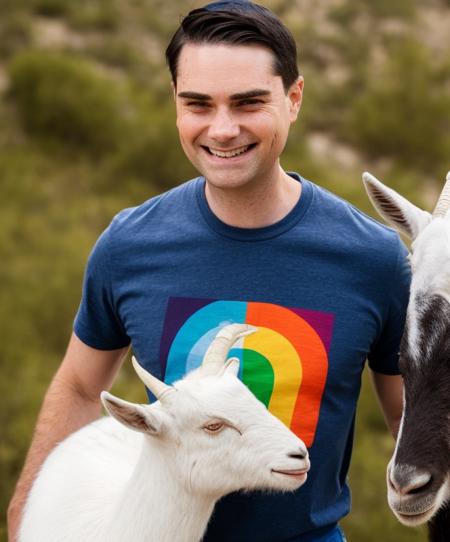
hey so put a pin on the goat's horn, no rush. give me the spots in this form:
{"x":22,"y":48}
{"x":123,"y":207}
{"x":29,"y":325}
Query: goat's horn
{"x":217,"y":353}
{"x":443,"y":203}
{"x":158,"y":388}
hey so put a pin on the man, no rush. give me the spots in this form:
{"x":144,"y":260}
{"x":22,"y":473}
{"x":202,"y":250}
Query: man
{"x":245,"y":242}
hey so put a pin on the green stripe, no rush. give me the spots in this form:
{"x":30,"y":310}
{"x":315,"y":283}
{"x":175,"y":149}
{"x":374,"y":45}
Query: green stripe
{"x":258,"y":375}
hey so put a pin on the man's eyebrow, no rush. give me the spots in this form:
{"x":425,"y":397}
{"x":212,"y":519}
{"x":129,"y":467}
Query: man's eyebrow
{"x":250,"y":94}
{"x":194,"y":95}
{"x":238,"y":96}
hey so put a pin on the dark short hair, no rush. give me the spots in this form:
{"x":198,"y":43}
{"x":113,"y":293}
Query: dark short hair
{"x":237,"y":22}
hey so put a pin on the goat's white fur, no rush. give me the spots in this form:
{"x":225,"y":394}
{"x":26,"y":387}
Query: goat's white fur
{"x":160,"y":481}
{"x":430,"y":247}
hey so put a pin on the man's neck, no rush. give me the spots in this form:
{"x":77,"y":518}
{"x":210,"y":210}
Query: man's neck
{"x":256,"y":206}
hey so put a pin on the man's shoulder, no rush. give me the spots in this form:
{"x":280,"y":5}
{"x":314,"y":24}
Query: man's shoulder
{"x":157,"y":209}
{"x":132,"y":229}
{"x":349,"y":219}
{"x":360,"y":247}
{"x":360,"y":241}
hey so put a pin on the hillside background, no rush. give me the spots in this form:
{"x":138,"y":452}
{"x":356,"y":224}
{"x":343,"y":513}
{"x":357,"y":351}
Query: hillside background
{"x":87,"y":128}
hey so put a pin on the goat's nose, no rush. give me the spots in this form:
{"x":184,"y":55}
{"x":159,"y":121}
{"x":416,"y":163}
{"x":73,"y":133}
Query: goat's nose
{"x":301,"y":453}
{"x":407,"y":480}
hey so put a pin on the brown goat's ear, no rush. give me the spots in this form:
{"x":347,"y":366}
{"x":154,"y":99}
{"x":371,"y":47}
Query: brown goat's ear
{"x":137,"y":417}
{"x":405,"y":217}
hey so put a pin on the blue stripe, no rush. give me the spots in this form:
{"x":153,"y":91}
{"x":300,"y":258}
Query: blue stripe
{"x":197,"y":333}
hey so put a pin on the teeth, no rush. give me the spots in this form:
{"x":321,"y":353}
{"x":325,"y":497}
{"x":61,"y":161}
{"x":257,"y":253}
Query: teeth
{"x":229,"y":154}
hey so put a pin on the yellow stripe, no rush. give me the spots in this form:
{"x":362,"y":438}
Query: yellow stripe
{"x":287,"y":368}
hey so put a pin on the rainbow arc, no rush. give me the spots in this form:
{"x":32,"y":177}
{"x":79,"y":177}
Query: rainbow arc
{"x":285,"y":363}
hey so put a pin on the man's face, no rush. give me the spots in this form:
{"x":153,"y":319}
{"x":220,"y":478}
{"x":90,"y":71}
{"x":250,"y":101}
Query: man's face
{"x":233,"y":114}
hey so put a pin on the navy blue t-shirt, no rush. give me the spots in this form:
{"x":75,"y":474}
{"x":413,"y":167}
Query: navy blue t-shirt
{"x":327,"y":287}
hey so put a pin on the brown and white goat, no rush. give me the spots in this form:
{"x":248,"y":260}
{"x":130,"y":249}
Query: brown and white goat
{"x":418,"y":475}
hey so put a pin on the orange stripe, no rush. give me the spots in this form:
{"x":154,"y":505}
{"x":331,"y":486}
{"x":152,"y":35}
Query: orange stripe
{"x":313,"y":357}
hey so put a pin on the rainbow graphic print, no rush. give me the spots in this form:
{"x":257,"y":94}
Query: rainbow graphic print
{"x":284,"y":364}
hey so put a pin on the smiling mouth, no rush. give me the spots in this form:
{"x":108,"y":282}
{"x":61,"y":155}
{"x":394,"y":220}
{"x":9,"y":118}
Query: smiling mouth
{"x":229,"y":154}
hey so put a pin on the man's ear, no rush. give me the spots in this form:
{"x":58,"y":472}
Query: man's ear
{"x":142,"y":418}
{"x":295,"y":95}
{"x":405,"y":217}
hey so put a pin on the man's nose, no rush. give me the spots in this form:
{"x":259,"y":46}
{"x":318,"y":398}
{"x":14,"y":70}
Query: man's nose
{"x":223,"y":126}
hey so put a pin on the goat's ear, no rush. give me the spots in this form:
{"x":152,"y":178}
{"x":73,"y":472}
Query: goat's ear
{"x":231,"y":367}
{"x":405,"y":217}
{"x":137,"y":417}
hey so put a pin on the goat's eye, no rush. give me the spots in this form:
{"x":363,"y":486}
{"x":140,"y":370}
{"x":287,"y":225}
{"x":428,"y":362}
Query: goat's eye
{"x":214,"y":427}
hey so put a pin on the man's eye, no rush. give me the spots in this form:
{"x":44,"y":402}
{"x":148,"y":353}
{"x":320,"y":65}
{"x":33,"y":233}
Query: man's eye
{"x":198,"y":105}
{"x":250,"y":102}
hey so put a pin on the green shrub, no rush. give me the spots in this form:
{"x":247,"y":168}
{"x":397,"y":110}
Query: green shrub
{"x":404,"y":114}
{"x":402,"y":9}
{"x":15,"y":34}
{"x":52,"y":8}
{"x":115,"y":53}
{"x":343,"y":14}
{"x":88,"y":15}
{"x":152,"y":152}
{"x":120,"y":54}
{"x":62,"y":98}
{"x":83,"y":15}
{"x":13,"y":6}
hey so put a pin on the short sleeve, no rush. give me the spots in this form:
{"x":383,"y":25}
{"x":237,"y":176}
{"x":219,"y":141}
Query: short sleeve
{"x":383,"y":357}
{"x":97,"y":323}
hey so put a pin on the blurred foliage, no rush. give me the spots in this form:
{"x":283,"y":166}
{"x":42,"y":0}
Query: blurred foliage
{"x":405,"y":112}
{"x":15,"y":34}
{"x":402,"y":9}
{"x":101,"y":15}
{"x":85,"y":15}
{"x":51,"y":8}
{"x":87,"y":127}
{"x":63,"y":98}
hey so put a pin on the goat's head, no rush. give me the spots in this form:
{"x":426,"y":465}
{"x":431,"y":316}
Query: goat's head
{"x":418,"y":475}
{"x":217,"y":435}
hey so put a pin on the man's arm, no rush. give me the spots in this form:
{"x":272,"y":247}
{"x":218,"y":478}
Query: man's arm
{"x":389,"y":390}
{"x":71,"y":402}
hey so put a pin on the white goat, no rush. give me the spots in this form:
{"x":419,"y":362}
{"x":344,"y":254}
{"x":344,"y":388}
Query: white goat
{"x":206,"y":436}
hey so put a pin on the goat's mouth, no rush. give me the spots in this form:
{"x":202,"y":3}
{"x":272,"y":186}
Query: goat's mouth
{"x":298,"y":474}
{"x":411,"y":519}
{"x":412,"y":512}
{"x":415,"y":509}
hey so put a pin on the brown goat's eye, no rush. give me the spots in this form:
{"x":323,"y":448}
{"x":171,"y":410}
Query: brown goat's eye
{"x":214,"y":427}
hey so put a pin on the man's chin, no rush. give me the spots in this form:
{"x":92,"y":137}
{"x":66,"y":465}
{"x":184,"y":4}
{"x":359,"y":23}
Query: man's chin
{"x":227,"y":181}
